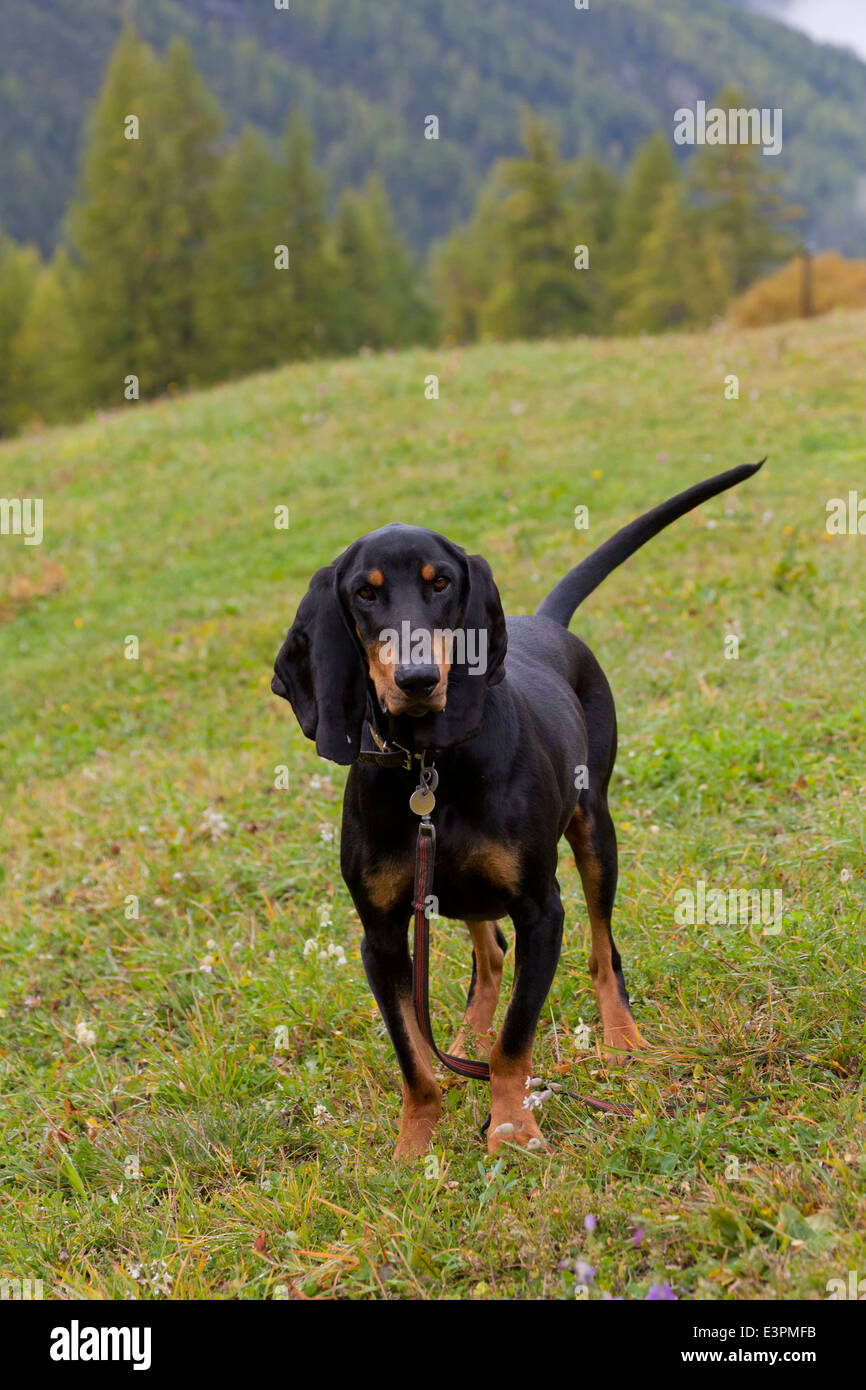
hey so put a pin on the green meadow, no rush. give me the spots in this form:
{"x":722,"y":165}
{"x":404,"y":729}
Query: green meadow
{"x":195,"y":1102}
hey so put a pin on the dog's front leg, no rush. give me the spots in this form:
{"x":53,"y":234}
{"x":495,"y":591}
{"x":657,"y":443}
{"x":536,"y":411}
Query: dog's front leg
{"x":538,"y":942}
{"x":385,"y":953}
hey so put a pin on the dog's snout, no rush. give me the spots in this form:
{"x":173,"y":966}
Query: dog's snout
{"x":417,"y":680}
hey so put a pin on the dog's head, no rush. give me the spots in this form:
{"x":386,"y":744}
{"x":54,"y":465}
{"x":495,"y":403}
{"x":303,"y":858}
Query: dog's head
{"x":405,"y":619}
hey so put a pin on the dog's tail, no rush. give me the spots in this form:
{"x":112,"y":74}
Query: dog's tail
{"x":570,"y":592}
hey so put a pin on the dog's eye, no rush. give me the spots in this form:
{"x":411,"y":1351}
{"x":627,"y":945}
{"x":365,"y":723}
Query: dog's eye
{"x":441,"y":582}
{"x":367,"y":592}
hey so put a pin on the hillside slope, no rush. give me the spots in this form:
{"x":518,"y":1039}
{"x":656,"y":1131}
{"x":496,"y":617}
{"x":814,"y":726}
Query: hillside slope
{"x":366,"y":74}
{"x":158,"y":883}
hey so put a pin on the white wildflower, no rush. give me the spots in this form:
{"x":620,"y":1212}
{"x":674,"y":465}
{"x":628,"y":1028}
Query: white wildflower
{"x":214,"y":824}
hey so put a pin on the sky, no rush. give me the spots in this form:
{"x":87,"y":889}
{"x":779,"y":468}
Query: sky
{"x":828,"y":21}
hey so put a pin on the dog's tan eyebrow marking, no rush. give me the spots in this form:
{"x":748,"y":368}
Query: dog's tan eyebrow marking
{"x":428,"y":572}
{"x":376,"y":578}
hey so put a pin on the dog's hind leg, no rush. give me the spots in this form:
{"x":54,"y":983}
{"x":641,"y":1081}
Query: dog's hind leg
{"x":592,"y":838}
{"x":488,"y":952}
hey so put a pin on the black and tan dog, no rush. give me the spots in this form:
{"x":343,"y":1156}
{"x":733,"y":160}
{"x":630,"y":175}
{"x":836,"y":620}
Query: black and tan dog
{"x":524,"y":751}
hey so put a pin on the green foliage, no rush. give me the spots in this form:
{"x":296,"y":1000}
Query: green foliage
{"x":357,"y":73}
{"x":195,"y":262}
{"x":188,"y":126}
{"x":652,"y":171}
{"x":139,"y":225}
{"x":239,"y":314}
{"x":739,"y":189}
{"x":538,"y":293}
{"x":19,"y":274}
{"x":380,"y":302}
{"x":511,"y":273}
{"x":465,"y":269}
{"x":47,"y":350}
{"x":679,"y":280}
{"x":596,"y":197}
{"x":308,"y":290}
{"x":187,"y":264}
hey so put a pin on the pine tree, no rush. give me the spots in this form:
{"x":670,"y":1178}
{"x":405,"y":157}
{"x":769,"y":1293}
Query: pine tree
{"x":188,"y":126}
{"x":139,"y":226}
{"x":309,"y":286}
{"x":739,"y":188}
{"x":679,"y":280}
{"x":540,"y":293}
{"x":240,"y":310}
{"x":112,"y":229}
{"x":46,"y":349}
{"x":19,"y":273}
{"x":596,"y":194}
{"x":465,"y":268}
{"x":381,"y":299}
{"x":652,"y":171}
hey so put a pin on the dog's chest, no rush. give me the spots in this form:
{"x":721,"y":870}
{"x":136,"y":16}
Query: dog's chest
{"x":478,"y":866}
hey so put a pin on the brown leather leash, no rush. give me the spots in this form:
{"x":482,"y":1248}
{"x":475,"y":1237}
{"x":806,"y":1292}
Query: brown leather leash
{"x":425,"y":858}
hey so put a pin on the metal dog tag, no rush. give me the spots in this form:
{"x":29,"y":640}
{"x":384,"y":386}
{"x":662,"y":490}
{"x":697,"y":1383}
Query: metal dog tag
{"x":422,"y":801}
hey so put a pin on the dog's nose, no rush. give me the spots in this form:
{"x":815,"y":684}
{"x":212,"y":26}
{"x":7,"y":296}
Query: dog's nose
{"x":417,"y":680}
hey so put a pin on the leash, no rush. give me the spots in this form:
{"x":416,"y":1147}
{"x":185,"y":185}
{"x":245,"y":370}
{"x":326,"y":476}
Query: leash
{"x":422,"y":802}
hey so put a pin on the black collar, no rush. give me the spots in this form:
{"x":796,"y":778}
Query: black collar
{"x":376,"y":749}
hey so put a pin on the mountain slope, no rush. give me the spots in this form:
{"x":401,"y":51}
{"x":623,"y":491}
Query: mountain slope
{"x":366,"y":74}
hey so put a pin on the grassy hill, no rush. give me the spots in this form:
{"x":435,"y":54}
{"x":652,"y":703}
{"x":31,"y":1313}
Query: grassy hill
{"x":153,"y":780}
{"x":367,"y":74}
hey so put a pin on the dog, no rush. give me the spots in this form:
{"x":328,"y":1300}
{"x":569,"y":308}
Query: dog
{"x":524,"y":749}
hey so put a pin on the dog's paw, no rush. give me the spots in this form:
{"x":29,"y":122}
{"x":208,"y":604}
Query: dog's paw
{"x":521,"y":1129}
{"x":416,"y":1128}
{"x":623,"y":1035}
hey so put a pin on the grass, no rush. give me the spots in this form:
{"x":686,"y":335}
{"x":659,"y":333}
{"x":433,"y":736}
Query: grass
{"x":161,"y":1072}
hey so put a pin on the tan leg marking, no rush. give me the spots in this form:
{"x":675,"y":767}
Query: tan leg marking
{"x":422,"y":1101}
{"x":478,"y":1019}
{"x":617,"y":1021}
{"x":498,"y":863}
{"x":508,"y":1092}
{"x":387,"y":882}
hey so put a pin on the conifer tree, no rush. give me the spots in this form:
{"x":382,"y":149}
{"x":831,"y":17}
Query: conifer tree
{"x":308,"y":288}
{"x":188,"y":125}
{"x":596,"y":196}
{"x":381,"y":300}
{"x":19,"y":273}
{"x":465,"y":267}
{"x":679,"y":280}
{"x":652,"y":171}
{"x":240,"y":310}
{"x":139,"y":224}
{"x":111,"y":229}
{"x":539,"y":292}
{"x":46,"y":350}
{"x":739,"y":188}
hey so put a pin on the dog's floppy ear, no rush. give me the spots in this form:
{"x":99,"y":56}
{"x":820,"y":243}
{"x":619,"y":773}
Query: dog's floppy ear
{"x":483,"y":622}
{"x":483,"y":611}
{"x":320,"y":672}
